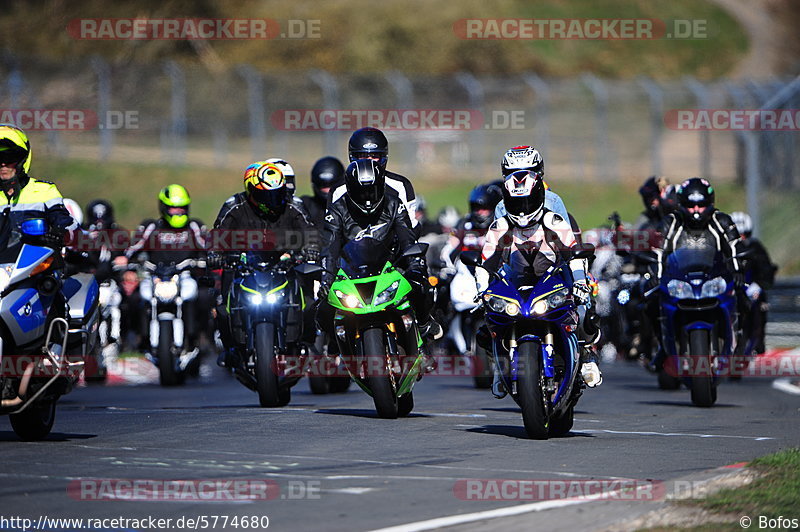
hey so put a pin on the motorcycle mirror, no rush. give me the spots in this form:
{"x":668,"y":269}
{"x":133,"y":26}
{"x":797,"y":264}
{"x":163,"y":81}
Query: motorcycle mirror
{"x":585,"y":252}
{"x":418,"y":249}
{"x":470,"y":258}
{"x":308,"y":269}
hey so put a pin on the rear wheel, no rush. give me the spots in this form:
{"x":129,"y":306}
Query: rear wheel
{"x":482,"y":368}
{"x":266,"y":370}
{"x":168,"y":372}
{"x":35,"y":422}
{"x":667,"y":381}
{"x":382,"y":386}
{"x":319,"y":385}
{"x":529,"y":391}
{"x":704,"y":392}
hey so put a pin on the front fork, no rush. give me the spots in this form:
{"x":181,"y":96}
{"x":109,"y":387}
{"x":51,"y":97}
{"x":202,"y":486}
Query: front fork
{"x":177,"y":324}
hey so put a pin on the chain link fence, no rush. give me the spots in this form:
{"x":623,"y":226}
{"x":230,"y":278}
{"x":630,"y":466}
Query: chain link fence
{"x":590,"y":129}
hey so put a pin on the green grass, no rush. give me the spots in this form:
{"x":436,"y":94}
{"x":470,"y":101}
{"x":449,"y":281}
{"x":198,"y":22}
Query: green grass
{"x":415,"y":36}
{"x":774,"y":494}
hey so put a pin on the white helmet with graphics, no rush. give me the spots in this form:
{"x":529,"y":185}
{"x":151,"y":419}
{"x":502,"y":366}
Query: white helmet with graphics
{"x":744,"y":224}
{"x":522,"y":158}
{"x":523,"y":195}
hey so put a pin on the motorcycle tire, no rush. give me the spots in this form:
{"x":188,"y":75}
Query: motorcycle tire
{"x":482,"y":369}
{"x":561,"y":425}
{"x":383,"y":391}
{"x":530,"y":391}
{"x":167,"y":370}
{"x":269,"y":395}
{"x":35,"y":422}
{"x":405,"y":404}
{"x":704,"y":392}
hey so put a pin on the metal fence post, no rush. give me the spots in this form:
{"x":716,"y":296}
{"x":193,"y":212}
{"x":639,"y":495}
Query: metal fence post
{"x":405,"y":100}
{"x":542,"y":92}
{"x":655,"y":95}
{"x":330,"y":101}
{"x":103,"y":73}
{"x":475,"y":93}
{"x":700,"y":93}
{"x":256,"y":111}
{"x":600,"y":94}
{"x":177,"y":130}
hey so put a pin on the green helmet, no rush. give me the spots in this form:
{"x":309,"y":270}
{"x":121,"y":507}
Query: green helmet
{"x":173,"y":204}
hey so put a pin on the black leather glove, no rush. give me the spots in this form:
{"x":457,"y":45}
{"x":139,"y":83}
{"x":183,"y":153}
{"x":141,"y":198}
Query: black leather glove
{"x":311,"y":255}
{"x":738,"y":279}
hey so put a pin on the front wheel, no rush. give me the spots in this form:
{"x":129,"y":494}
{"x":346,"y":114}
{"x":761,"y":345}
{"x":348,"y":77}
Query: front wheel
{"x":381,"y":385}
{"x":167,"y":370}
{"x":482,"y":368}
{"x":529,"y":391}
{"x":704,"y":392}
{"x":405,"y":404}
{"x":35,"y":422}
{"x":561,"y":425}
{"x":266,"y":368}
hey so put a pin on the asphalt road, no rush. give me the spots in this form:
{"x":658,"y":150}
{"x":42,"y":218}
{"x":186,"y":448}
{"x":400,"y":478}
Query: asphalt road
{"x":338,"y":467}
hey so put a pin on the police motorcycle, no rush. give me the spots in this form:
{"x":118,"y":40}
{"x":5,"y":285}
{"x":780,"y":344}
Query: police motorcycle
{"x":375,"y":325}
{"x":169,"y":289}
{"x":533,"y":325}
{"x":699,"y":322}
{"x":266,"y":304}
{"x":46,"y":329}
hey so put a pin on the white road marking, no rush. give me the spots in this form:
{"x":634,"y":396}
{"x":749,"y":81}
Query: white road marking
{"x":460,"y":519}
{"x":351,"y":491}
{"x":686,"y":434}
{"x":785,"y":385}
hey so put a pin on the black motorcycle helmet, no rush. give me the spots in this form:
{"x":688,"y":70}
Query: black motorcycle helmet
{"x":365,"y":182}
{"x":523,"y":196}
{"x":696,"y":201}
{"x":650,"y":191}
{"x":327,"y":174}
{"x":99,"y":215}
{"x":368,"y":143}
{"x":483,"y":198}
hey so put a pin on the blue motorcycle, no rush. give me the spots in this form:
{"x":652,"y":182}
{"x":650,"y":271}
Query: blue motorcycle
{"x":533,"y":324}
{"x":698,"y":322}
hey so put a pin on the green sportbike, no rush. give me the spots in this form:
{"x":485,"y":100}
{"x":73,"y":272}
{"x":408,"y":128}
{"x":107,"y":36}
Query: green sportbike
{"x":374,"y":324}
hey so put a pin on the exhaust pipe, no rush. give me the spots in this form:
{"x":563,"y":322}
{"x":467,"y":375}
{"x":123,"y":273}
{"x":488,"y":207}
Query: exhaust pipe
{"x":23,"y":388}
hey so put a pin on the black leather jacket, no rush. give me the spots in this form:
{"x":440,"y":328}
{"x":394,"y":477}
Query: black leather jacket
{"x":341,"y":226}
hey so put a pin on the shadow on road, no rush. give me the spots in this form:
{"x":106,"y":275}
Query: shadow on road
{"x":518,"y":431}
{"x":8,"y":435}
{"x":357,"y":412}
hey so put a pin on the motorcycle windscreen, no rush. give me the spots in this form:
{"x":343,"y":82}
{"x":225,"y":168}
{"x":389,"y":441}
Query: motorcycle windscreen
{"x":365,"y":257}
{"x":701,"y":260}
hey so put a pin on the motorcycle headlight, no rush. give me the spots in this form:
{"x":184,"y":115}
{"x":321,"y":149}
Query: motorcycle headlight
{"x":540,"y":307}
{"x":387,"y":295}
{"x":256,"y":299}
{"x":680,"y":289}
{"x":512,"y":309}
{"x":496,"y":304}
{"x":348,"y":300}
{"x":714,"y":287}
{"x":166,"y":290}
{"x":557,"y":299}
{"x":623,"y":296}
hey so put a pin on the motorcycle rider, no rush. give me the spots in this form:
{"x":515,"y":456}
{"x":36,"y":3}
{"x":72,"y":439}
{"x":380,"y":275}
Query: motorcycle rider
{"x":370,"y":208}
{"x":760,"y":272}
{"x":530,"y":235}
{"x":696,"y":223}
{"x":25,"y":197}
{"x":371,"y":143}
{"x":173,"y":238}
{"x":326,"y":174}
{"x":265,"y":207}
{"x":469,"y":233}
{"x":426,"y":225}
